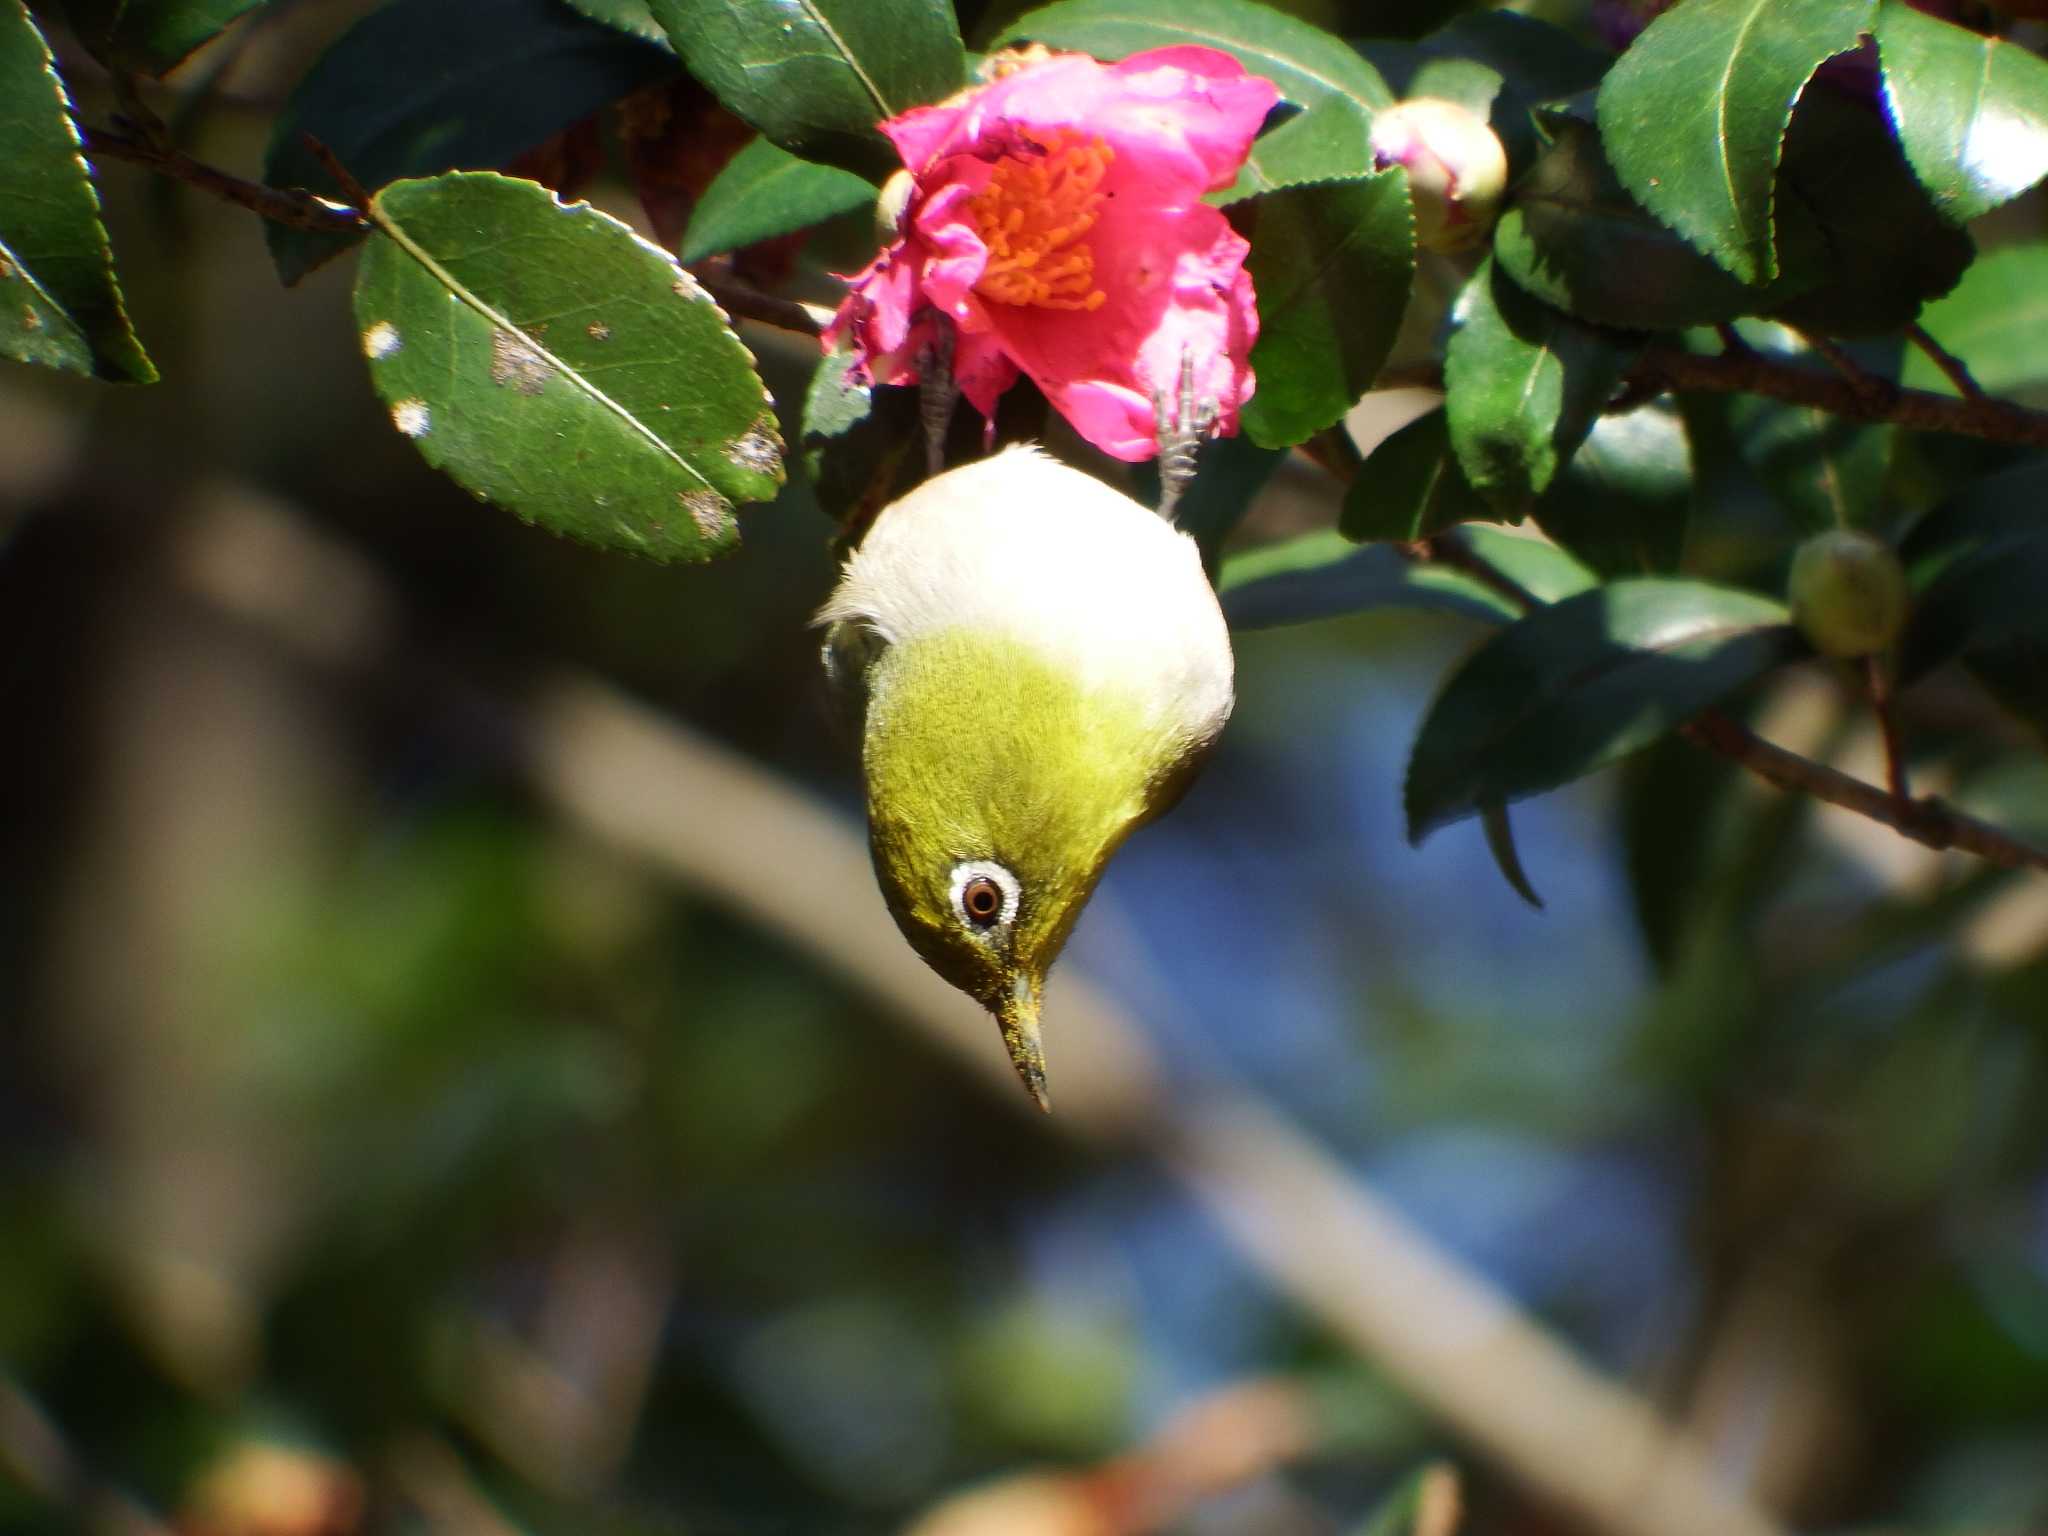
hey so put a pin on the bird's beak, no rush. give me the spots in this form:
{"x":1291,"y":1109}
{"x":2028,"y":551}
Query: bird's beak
{"x":1018,"y":1015}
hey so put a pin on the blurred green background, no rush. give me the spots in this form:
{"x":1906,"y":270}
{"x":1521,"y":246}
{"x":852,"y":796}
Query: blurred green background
{"x":389,"y":1142}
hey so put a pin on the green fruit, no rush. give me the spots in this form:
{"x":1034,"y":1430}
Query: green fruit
{"x":1848,"y":593}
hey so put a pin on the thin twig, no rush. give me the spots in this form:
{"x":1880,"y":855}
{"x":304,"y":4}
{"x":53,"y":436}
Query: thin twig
{"x":1742,"y":370}
{"x":1928,"y":822}
{"x":1953,"y":368}
{"x":299,"y":210}
{"x":1877,"y":677}
{"x":744,"y":303}
{"x":1448,"y":549}
{"x":1752,"y":373}
{"x":330,"y":162}
{"x":1868,"y":386}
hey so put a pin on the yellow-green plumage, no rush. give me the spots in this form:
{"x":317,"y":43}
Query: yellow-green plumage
{"x":1043,"y":667}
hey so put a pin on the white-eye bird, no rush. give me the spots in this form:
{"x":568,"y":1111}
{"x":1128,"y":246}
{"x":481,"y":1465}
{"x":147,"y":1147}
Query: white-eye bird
{"x":1042,"y":668}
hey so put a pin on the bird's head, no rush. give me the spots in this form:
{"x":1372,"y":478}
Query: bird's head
{"x":998,"y":788}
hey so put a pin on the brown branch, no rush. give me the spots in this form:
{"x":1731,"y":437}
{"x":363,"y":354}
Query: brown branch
{"x":1742,"y":370}
{"x":1751,"y":373}
{"x":1928,"y":822}
{"x":1953,"y":368}
{"x":289,"y":206}
{"x":306,"y":210}
{"x":1877,"y":678}
{"x":744,"y":303}
{"x":1868,"y":386}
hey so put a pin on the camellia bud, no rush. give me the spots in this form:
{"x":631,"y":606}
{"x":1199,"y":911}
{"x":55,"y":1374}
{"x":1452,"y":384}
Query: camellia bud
{"x":1456,"y":168}
{"x":1848,"y":593}
{"x":889,"y":206}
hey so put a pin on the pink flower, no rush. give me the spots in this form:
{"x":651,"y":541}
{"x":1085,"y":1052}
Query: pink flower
{"x":1055,"y":215}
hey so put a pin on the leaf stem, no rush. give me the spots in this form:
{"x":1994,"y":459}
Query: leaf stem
{"x":280,"y":205}
{"x":1878,"y":680}
{"x":1953,"y":368}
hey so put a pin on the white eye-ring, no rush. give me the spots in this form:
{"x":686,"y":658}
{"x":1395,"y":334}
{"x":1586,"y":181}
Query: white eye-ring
{"x":985,"y":895}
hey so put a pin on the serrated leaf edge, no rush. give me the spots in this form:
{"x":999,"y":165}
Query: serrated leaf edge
{"x":686,"y":287}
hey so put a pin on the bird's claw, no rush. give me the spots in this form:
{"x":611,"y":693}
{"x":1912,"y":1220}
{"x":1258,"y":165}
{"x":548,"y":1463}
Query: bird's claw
{"x":1180,"y":435}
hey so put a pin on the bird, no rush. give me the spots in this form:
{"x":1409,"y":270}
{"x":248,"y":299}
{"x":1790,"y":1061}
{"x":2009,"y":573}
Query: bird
{"x":1038,"y":666}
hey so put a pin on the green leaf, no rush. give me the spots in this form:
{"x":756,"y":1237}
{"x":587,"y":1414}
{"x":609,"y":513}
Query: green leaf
{"x":1472,"y":57}
{"x":1306,"y":62}
{"x":1978,"y":564}
{"x":1694,"y":114}
{"x":422,"y":86}
{"x":1996,"y":321}
{"x":1548,"y":574}
{"x":150,"y":36}
{"x":1332,"y":264}
{"x":863,"y":447}
{"x":1411,"y":487}
{"x":1885,"y":249}
{"x":1331,"y":141}
{"x":635,"y":18}
{"x":1622,"y":503}
{"x":59,"y":303}
{"x":764,"y":192}
{"x":1523,"y":383}
{"x":1583,"y":683}
{"x":1324,"y":575}
{"x":1971,"y":110}
{"x":1500,"y":842}
{"x":553,"y":362}
{"x":1828,"y":471}
{"x":1574,"y":238}
{"x":816,"y":76}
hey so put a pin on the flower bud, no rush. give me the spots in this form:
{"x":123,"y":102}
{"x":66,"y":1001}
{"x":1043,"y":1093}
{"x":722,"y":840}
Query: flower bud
{"x":1848,"y":593}
{"x":1456,"y":168}
{"x":889,"y":206}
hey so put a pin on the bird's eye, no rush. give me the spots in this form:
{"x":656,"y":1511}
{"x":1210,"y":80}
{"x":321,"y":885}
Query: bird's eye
{"x":984,"y":895}
{"x":982,"y":900}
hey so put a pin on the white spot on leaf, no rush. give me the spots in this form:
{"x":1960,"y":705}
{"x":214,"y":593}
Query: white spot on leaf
{"x":711,"y":512}
{"x":758,"y":450}
{"x":516,"y":362}
{"x":381,"y":340}
{"x":412,"y":417}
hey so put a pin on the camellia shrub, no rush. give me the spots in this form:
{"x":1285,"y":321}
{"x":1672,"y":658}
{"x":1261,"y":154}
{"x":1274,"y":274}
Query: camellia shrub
{"x":1626,"y":262}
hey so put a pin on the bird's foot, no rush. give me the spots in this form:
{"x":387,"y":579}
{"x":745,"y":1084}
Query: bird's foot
{"x":938,"y":392}
{"x":1181,"y":430}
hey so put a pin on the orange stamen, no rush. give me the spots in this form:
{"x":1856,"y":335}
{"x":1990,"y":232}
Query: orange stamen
{"x":1032,"y":216}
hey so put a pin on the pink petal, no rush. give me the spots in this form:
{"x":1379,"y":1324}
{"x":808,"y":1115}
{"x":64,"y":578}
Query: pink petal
{"x":956,"y":255}
{"x":1213,"y":112}
{"x":1176,"y":283}
{"x":922,"y":132}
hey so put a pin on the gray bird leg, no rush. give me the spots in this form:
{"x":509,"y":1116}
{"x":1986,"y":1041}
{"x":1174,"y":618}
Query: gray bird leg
{"x":937,"y":392}
{"x":1180,"y":435}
